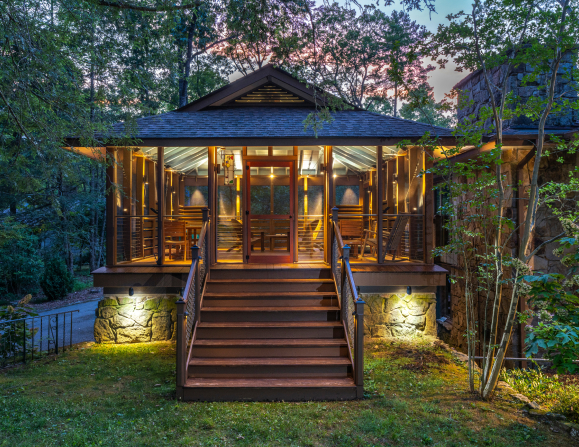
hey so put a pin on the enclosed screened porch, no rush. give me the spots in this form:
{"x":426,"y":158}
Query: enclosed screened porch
{"x":270,"y":204}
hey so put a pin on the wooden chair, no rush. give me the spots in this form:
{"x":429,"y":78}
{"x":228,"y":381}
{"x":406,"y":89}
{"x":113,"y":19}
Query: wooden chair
{"x":352,"y":232}
{"x":175,"y":236}
{"x":310,"y":233}
{"x":393,"y":240}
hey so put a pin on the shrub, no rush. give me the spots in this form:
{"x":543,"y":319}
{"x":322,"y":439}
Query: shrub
{"x":20,"y":262}
{"x":56,"y":281}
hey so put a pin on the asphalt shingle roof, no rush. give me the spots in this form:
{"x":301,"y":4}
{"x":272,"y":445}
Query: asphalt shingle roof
{"x":276,"y":122}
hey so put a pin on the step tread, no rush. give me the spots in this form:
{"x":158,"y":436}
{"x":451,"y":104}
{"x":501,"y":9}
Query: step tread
{"x":270,"y":309}
{"x":268,"y":324}
{"x":315,"y":382}
{"x":268,"y":294}
{"x":268,"y":361}
{"x":271,"y":342}
{"x":273,"y":280}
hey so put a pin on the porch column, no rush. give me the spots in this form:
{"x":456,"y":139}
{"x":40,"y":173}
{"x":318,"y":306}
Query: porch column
{"x":160,"y":205}
{"x":329,"y":183}
{"x":212,"y":193}
{"x":379,"y":202}
{"x":127,"y":204}
{"x":428,"y":194}
{"x":111,"y":208}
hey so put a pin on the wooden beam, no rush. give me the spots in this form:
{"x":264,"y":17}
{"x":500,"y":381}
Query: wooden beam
{"x":390,"y":185}
{"x":161,"y":205}
{"x":128,"y":202}
{"x":111,"y":206}
{"x":379,"y":200}
{"x":401,"y":184}
{"x":294,"y":211}
{"x":140,"y":201}
{"x":212,"y":183}
{"x":428,"y":194}
{"x":330,"y":198}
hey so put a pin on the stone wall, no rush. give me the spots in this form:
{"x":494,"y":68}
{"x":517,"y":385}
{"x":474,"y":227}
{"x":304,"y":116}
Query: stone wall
{"x":121,"y":319}
{"x":399,"y":315}
{"x":475,"y":96}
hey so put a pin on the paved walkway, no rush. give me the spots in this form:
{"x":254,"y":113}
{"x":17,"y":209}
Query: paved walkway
{"x":82,"y":321}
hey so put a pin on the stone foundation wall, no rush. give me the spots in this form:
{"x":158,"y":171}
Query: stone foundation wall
{"x":121,"y":319}
{"x":399,"y":315}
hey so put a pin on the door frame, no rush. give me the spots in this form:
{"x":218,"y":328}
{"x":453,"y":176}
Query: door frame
{"x":269,"y":162}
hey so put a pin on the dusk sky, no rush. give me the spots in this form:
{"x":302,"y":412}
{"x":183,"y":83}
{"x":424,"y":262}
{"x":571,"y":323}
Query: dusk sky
{"x":441,"y":80}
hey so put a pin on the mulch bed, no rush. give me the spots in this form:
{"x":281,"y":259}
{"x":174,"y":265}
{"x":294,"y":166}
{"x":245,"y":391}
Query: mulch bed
{"x":40,"y":304}
{"x":422,"y":359}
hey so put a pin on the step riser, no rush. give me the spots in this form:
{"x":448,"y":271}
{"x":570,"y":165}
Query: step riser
{"x":226,"y":394}
{"x":295,"y":273}
{"x":269,"y":351}
{"x":236,"y":316}
{"x":267,"y":333}
{"x":265,"y":371}
{"x":269,"y":287}
{"x":269,"y":302}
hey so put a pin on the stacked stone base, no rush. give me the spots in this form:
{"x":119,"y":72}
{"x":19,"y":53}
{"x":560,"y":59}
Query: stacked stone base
{"x":399,"y":315}
{"x":121,"y":319}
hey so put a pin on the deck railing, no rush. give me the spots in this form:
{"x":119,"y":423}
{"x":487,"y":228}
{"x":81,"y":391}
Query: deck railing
{"x":402,"y":236}
{"x":351,"y":306}
{"x":189,"y":304}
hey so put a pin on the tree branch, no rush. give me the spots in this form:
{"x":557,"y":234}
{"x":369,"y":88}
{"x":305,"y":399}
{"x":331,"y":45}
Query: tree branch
{"x":123,"y":5}
{"x":559,"y":236}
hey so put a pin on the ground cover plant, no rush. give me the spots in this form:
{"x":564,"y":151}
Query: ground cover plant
{"x":123,"y":395}
{"x":557,"y":393}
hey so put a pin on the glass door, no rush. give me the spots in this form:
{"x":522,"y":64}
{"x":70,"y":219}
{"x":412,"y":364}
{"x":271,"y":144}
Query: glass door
{"x":269,"y":208}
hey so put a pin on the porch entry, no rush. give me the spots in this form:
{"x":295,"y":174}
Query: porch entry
{"x":270,"y":211}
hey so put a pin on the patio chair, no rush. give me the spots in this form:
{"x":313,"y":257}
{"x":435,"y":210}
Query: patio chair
{"x":175,"y":236}
{"x":352,"y":232}
{"x":393,"y":240}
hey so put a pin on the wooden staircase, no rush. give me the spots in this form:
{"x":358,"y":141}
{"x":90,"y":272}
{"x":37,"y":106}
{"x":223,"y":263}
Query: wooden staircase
{"x":270,"y":335}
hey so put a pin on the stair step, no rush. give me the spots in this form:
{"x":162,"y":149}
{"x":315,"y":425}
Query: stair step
{"x":256,"y":273}
{"x":269,"y":313}
{"x":276,"y":361}
{"x":272,"y":301}
{"x":271,"y":294}
{"x":304,"y":347}
{"x":270,"y":329}
{"x":272,"y":342}
{"x":268,"y":389}
{"x":270,"y":367}
{"x":265,"y":285}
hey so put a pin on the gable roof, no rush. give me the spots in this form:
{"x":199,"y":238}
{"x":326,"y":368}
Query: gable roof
{"x":267,"y":76}
{"x":270,"y":106}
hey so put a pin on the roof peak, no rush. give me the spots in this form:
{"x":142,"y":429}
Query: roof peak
{"x":249,"y":89}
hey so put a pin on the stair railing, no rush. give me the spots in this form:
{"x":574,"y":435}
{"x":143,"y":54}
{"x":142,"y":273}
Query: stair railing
{"x":189,"y":304}
{"x":351,"y":306}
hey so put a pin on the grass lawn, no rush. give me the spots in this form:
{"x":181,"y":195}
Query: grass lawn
{"x":124,"y":396}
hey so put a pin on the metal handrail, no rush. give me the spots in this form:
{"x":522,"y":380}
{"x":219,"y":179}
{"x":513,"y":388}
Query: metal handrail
{"x":188,"y":306}
{"x":346,"y":288}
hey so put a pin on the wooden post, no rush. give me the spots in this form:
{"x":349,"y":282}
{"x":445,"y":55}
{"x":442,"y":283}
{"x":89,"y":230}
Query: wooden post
{"x":127,"y":204}
{"x":151,"y":185}
{"x":359,"y":348}
{"x":295,"y":221}
{"x":161,"y":205}
{"x":212,"y":188}
{"x":140,"y":202}
{"x":111,"y":206}
{"x":181,"y":357}
{"x":428,"y":194}
{"x":401,"y":184}
{"x":379,"y":201}
{"x":244,"y":193}
{"x":181,"y":190}
{"x":390,"y":186}
{"x":329,"y":183}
